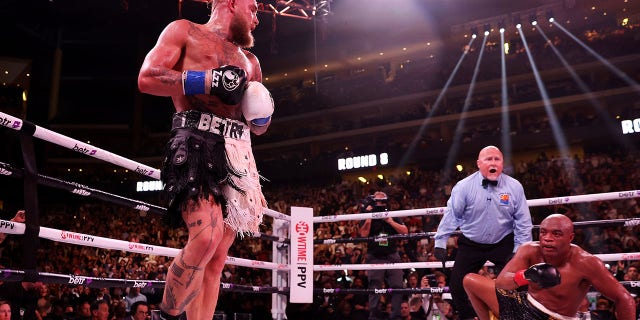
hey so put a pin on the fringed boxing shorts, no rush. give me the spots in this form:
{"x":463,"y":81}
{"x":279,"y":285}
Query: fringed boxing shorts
{"x":520,"y":305}
{"x":211,"y":156}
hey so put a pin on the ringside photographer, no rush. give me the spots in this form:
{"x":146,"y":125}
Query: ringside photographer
{"x":382,"y":250}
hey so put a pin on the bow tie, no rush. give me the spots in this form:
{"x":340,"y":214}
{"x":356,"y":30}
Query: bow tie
{"x":486,"y":182}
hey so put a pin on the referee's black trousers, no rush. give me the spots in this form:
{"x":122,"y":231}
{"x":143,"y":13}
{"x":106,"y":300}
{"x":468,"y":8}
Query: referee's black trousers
{"x":470,"y":257}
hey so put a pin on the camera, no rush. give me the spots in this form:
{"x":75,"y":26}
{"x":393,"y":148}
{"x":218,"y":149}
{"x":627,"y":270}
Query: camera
{"x":433,"y":281}
{"x":378,"y":204}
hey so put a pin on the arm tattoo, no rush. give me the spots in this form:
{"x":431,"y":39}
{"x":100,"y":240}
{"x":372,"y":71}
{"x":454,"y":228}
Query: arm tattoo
{"x":167,"y":77}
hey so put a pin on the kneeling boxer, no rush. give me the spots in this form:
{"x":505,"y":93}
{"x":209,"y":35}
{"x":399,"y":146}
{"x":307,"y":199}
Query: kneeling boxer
{"x":558,"y":274}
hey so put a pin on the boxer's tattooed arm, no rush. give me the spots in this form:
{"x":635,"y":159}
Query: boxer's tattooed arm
{"x":166,"y":76}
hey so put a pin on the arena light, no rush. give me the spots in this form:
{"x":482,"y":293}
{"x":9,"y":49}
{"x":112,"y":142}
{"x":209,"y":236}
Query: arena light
{"x":323,"y":8}
{"x":474,"y":32}
{"x":517,"y":22}
{"x":362,"y":179}
{"x":550,"y":16}
{"x":534,"y":19}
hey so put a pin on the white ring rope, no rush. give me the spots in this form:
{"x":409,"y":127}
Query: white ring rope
{"x":380,"y":215}
{"x":135,"y":247}
{"x":275,"y":214}
{"x":440,"y":210}
{"x":585,"y":198}
{"x":81,"y":147}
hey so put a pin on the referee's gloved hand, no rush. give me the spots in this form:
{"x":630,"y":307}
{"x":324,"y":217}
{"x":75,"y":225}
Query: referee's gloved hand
{"x":440,"y":254}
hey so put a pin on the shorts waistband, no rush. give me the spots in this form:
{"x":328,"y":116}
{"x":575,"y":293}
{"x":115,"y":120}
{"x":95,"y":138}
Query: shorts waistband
{"x":209,"y":122}
{"x":544,"y":309}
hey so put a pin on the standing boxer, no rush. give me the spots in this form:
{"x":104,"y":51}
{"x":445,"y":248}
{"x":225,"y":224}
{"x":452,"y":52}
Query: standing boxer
{"x":209,"y":172}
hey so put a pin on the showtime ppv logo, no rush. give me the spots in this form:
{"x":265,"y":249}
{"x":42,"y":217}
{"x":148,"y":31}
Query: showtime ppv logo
{"x":302,"y":229}
{"x":76,"y":236}
{"x":7,"y":225}
{"x":138,"y":246}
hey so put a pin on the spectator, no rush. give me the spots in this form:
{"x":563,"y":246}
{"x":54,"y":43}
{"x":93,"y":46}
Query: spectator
{"x":405,"y":311}
{"x":5,"y":310}
{"x":100,"y":310}
{"x":603,"y":310}
{"x":139,"y":311}
{"x":84,"y":311}
{"x":134,"y":296}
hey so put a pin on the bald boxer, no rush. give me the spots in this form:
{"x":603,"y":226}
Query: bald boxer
{"x":209,"y":172}
{"x":558,"y":274}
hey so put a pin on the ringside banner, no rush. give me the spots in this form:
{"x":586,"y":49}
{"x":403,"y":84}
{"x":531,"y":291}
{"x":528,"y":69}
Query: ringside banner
{"x":301,"y":273}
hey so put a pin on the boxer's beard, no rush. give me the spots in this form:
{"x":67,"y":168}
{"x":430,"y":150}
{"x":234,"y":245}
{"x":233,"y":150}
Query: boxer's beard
{"x":240,"y":32}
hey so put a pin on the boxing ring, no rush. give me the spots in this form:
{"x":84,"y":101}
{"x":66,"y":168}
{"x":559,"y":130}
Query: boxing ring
{"x":291,"y":238}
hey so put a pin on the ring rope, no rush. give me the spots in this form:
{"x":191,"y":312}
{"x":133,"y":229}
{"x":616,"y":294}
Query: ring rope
{"x":449,"y":264}
{"x":627,"y":194}
{"x":26,"y":127}
{"x":114,"y":244}
{"x":275,"y":214}
{"x":136,"y":247}
{"x":96,"y":282}
{"x":626,"y":223}
{"x":83,"y":190}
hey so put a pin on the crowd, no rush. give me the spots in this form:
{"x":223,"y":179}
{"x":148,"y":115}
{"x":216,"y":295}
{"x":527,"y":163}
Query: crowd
{"x":542,"y":177}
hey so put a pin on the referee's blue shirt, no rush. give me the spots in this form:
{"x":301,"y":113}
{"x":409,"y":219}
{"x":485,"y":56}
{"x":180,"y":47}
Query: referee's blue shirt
{"x":486,"y":215}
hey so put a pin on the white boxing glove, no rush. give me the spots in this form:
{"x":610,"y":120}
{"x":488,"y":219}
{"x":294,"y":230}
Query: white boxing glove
{"x":257,"y":104}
